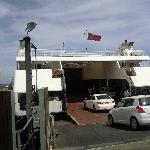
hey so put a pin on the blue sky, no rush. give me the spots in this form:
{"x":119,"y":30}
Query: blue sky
{"x":65,"y":21}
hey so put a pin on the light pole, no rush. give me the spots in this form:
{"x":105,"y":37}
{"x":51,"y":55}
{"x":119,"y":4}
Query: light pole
{"x":62,"y":51}
{"x":63,"y":45}
{"x":27,"y":39}
{"x":33,"y":46}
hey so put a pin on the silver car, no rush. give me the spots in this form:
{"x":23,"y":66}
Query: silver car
{"x":133,"y":111}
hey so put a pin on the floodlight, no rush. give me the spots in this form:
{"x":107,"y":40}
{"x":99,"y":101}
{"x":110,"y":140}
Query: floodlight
{"x":30,"y":26}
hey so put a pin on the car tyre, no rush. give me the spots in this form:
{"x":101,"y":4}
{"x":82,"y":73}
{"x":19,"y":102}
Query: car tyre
{"x":94,"y":108}
{"x":85,"y":105}
{"x":110,"y":120}
{"x":134,"y":123}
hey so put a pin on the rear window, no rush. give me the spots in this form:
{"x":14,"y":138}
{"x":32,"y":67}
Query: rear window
{"x":144,"y":101}
{"x":103,"y":97}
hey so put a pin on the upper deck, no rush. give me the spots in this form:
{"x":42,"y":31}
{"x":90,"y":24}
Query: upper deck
{"x":60,"y":55}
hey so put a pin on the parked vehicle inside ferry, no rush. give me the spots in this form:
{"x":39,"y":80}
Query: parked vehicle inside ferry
{"x":99,"y":102}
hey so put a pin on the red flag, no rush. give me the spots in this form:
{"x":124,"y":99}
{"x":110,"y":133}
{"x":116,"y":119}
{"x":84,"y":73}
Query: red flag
{"x":94,"y":37}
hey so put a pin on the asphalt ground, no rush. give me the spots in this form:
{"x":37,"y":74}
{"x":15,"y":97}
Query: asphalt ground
{"x":99,"y":136}
{"x":137,"y":145}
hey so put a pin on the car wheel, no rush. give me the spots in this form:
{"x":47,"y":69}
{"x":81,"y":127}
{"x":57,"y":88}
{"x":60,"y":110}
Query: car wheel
{"x":134,"y":123}
{"x":94,"y":108}
{"x":110,"y":120}
{"x":84,"y":105}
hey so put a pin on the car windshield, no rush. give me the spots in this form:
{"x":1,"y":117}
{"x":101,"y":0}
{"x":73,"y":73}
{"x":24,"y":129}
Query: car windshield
{"x":103,"y":97}
{"x":144,"y":101}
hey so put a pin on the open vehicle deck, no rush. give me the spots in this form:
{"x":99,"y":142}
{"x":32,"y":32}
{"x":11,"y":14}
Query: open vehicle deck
{"x":81,"y":116}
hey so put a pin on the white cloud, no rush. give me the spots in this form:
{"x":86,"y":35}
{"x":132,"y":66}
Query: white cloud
{"x":66,"y":20}
{"x":5,"y":9}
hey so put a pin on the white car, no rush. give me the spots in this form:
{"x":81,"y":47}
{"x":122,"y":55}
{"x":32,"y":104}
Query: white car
{"x":99,"y":102}
{"x":133,"y":111}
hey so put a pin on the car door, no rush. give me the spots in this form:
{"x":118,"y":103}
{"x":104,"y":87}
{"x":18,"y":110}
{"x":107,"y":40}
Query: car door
{"x":91,"y":101}
{"x":117,"y":111}
{"x":126,"y":111}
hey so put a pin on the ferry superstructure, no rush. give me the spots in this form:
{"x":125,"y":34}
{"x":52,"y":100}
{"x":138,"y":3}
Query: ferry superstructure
{"x":75,"y":73}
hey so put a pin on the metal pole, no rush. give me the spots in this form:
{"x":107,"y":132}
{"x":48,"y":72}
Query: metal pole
{"x":63,"y":46}
{"x":36,"y":71}
{"x":62,"y":51}
{"x":28,"y":76}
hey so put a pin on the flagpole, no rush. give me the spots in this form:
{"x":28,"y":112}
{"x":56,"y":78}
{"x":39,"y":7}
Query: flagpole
{"x":86,"y":35}
{"x":86,"y":50}
{"x":86,"y":32}
{"x":62,"y":50}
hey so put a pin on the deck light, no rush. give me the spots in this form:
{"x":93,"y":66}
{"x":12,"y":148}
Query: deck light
{"x":30,"y":26}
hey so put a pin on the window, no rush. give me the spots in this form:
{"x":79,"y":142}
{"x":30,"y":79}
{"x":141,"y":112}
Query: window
{"x":103,"y":97}
{"x":120,"y":104}
{"x":144,"y":101}
{"x":55,"y":65}
{"x":128,"y":102}
{"x":56,"y":98}
{"x":22,"y":101}
{"x":92,"y":98}
{"x":21,"y":65}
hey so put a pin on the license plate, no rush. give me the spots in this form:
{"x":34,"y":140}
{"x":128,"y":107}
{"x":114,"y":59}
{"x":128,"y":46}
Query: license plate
{"x":107,"y":103}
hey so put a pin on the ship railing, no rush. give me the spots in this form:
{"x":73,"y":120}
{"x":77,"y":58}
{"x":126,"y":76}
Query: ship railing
{"x":67,"y":53}
{"x":26,"y":128}
{"x":137,"y":53}
{"x":131,"y":52}
{"x":77,"y":53}
{"x":73,"y":54}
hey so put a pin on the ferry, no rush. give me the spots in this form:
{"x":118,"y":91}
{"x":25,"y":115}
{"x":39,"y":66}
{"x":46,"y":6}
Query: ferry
{"x":67,"y":73}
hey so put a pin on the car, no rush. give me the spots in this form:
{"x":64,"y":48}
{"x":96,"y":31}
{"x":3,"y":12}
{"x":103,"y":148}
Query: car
{"x":99,"y":102}
{"x":133,"y":111}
